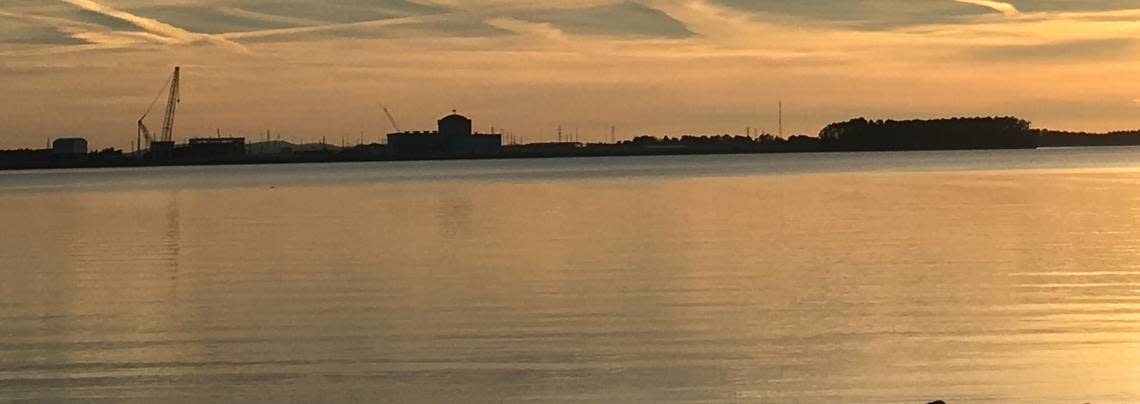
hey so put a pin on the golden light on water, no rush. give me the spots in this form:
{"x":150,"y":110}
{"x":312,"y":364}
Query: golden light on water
{"x":973,"y":276}
{"x":708,"y":276}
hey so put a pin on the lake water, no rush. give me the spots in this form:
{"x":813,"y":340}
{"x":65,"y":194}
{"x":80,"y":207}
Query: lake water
{"x":972,"y":277}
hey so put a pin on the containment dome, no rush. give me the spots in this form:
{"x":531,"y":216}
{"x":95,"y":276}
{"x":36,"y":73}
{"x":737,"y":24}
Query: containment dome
{"x":455,"y":125}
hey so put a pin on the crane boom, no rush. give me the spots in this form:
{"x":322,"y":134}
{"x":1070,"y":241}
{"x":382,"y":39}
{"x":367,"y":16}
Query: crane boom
{"x":171,"y":87}
{"x":144,"y":133}
{"x":391,"y":119}
{"x":171,"y":107}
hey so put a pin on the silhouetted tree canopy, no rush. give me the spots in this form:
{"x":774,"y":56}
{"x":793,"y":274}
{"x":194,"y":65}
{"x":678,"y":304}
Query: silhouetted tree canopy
{"x":1053,"y":138}
{"x":937,"y":134}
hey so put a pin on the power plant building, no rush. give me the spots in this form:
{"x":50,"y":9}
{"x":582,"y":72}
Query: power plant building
{"x":199,"y":150}
{"x":161,"y":150}
{"x":212,"y":149}
{"x":455,"y":138}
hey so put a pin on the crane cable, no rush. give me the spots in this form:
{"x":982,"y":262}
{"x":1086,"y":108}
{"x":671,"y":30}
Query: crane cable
{"x":161,"y":91}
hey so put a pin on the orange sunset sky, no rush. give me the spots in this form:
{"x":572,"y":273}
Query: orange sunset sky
{"x":313,"y":68}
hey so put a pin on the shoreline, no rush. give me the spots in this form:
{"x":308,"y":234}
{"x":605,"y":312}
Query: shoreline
{"x":273,"y":162}
{"x":333,"y":158}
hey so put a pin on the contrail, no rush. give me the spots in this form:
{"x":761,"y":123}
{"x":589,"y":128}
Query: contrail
{"x":323,"y":28}
{"x":165,"y":32}
{"x":1002,"y":7}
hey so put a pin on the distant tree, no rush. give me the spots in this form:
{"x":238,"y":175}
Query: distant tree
{"x":953,"y":133}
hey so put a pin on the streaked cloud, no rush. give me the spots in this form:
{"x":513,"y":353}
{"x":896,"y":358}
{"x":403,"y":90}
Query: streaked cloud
{"x":1075,"y":51}
{"x":157,"y":30}
{"x":620,"y":19}
{"x":1002,"y":7}
{"x":29,"y":30}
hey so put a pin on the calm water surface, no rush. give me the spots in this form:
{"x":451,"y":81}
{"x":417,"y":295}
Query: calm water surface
{"x":1008,"y":276}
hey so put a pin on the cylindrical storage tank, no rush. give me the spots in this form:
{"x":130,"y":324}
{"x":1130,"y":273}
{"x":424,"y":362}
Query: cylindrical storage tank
{"x":69,"y":146}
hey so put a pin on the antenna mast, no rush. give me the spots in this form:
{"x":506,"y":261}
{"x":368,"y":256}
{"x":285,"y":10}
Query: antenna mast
{"x":781,"y":118}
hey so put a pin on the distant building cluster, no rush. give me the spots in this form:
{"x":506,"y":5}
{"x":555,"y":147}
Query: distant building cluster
{"x":62,"y":152}
{"x":210,"y":149}
{"x":220,"y":148}
{"x":455,"y":138}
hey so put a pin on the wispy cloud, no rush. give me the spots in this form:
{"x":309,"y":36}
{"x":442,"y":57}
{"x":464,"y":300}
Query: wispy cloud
{"x":89,"y":36}
{"x":158,"y":30}
{"x":243,"y":13}
{"x":1002,"y":7}
{"x":1057,"y":52}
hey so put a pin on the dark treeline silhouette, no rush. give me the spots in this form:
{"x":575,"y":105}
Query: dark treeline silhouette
{"x":764,"y":143}
{"x":938,"y":134}
{"x":21,"y":157}
{"x":44,"y":158}
{"x":1053,"y":138}
{"x":648,"y":145}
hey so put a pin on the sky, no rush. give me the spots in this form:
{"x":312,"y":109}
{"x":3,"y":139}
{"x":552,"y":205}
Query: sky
{"x":307,"y":69}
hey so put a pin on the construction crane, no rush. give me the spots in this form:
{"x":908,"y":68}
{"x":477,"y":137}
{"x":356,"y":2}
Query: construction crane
{"x":167,"y":135}
{"x":391,"y":119}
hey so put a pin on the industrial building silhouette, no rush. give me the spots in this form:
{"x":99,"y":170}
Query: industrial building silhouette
{"x":454,"y":138}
